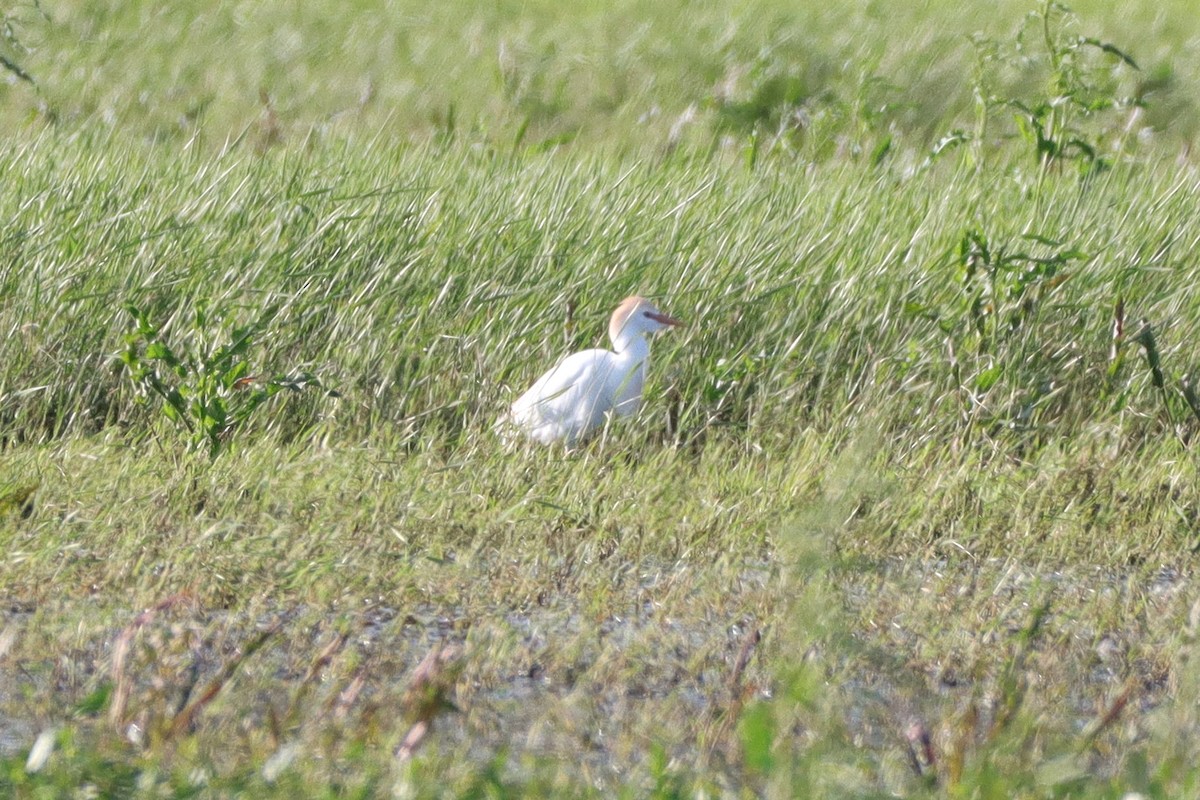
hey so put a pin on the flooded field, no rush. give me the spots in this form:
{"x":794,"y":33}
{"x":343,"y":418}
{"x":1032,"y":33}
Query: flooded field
{"x":917,"y":664}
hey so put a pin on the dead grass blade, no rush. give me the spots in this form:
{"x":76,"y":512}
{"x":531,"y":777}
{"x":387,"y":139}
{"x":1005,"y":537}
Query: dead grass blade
{"x":122,"y":681}
{"x":185,"y":719}
{"x":428,"y":695}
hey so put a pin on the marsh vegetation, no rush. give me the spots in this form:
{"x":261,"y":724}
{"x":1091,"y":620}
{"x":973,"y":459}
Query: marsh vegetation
{"x":910,"y":508}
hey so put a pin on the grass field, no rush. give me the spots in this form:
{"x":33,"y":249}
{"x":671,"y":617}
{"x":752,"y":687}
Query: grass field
{"x":910,"y":510}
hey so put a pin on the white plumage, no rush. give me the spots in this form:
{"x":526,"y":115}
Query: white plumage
{"x":573,"y":399}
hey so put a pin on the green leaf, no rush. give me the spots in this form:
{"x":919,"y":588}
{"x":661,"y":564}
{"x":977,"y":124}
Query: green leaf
{"x":987,"y":379}
{"x":1112,"y":50}
{"x":881,"y":151}
{"x":1046,"y":240}
{"x":758,"y":736}
{"x":215,"y":414}
{"x":95,"y":702}
{"x":157,"y":351}
{"x":234,"y":374}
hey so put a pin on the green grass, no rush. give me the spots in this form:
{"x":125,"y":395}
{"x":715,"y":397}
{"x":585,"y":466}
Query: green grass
{"x":927,"y":432}
{"x":615,"y":76}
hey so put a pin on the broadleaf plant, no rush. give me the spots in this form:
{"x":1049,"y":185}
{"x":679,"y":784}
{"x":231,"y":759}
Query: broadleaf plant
{"x":207,"y":392}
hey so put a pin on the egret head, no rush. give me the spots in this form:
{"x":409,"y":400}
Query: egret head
{"x":637,"y":316}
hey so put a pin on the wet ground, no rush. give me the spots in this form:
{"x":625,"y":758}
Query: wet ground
{"x":911,"y":644}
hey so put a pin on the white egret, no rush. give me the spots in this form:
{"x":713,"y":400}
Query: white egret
{"x":573,"y":399}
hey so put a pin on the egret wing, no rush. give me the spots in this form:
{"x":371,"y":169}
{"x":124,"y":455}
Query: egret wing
{"x":569,"y":400}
